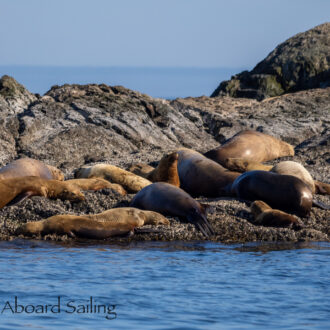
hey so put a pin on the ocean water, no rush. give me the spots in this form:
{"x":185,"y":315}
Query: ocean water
{"x":161,"y":285}
{"x":167,"y":83}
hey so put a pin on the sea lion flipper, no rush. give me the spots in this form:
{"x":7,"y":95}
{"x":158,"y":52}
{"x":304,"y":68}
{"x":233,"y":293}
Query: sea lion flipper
{"x":200,"y":222}
{"x":321,"y":205}
{"x":20,"y":198}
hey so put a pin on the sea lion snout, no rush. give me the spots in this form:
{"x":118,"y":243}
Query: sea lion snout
{"x":173,"y":157}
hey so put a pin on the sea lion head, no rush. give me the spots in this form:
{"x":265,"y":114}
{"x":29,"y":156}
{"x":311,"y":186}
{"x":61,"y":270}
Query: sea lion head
{"x":29,"y":228}
{"x":306,"y":201}
{"x":72,"y":193}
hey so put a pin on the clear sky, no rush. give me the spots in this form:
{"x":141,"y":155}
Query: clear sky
{"x":189,"y":33}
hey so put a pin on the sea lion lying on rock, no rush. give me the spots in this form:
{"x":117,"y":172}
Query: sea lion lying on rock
{"x":97,"y":184}
{"x":30,"y":167}
{"x":170,"y":200}
{"x":251,"y":145}
{"x":284,"y":192}
{"x":264,"y":215}
{"x":17,"y":189}
{"x":286,"y":167}
{"x":114,"y":222}
{"x":131,"y":182}
{"x":201,"y":176}
{"x":166,"y":171}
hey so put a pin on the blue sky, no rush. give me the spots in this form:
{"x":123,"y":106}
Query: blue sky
{"x":176,"y":33}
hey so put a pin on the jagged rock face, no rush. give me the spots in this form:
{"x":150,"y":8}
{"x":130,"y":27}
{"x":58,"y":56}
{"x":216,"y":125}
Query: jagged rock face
{"x":73,"y":125}
{"x":301,"y":62}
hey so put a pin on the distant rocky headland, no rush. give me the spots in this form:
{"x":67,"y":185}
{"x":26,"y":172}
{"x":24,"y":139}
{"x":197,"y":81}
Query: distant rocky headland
{"x":301,"y":62}
{"x":74,"y":125}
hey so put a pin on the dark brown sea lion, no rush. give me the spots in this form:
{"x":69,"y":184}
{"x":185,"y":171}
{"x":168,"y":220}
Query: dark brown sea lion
{"x":201,"y":176}
{"x":170,"y":200}
{"x":286,"y":167}
{"x":284,"y":192}
{"x":97,"y":184}
{"x":264,"y":215}
{"x":17,"y":189}
{"x":114,"y":222}
{"x":30,"y":167}
{"x":251,"y":145}
{"x":131,"y":182}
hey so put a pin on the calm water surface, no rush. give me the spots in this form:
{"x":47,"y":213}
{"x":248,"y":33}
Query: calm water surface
{"x":165,"y":285}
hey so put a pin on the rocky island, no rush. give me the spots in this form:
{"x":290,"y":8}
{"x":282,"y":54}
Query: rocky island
{"x":75,"y":125}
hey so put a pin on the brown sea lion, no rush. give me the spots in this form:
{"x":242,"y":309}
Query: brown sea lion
{"x":251,"y":145}
{"x":201,"y":176}
{"x":97,"y":184}
{"x":15,"y":190}
{"x":114,"y":222}
{"x":131,"y":182}
{"x":170,"y":200}
{"x":166,"y":171}
{"x":264,"y":215}
{"x":284,"y":192}
{"x":30,"y":167}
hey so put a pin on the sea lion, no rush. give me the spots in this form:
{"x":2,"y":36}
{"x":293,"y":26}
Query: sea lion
{"x":201,"y":176}
{"x":169,"y":200}
{"x":285,"y":167}
{"x":131,"y":182}
{"x":251,"y":145}
{"x":30,"y":167}
{"x":264,"y":215}
{"x":284,"y":192}
{"x":97,"y":184}
{"x":15,"y":190}
{"x":293,"y":168}
{"x":114,"y":222}
{"x":166,"y":171}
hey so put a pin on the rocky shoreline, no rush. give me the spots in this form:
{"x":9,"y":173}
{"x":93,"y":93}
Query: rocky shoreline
{"x":75,"y":125}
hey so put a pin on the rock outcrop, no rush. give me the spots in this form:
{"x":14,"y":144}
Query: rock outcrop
{"x":75,"y":125}
{"x":301,"y":62}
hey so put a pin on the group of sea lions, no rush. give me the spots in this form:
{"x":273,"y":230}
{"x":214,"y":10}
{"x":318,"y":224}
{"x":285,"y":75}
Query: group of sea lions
{"x":168,"y":189}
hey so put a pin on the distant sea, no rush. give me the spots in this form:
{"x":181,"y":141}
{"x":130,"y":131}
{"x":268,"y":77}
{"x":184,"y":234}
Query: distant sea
{"x":167,"y":83}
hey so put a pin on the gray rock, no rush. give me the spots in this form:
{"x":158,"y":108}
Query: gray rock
{"x":74,"y":125}
{"x":301,"y":62}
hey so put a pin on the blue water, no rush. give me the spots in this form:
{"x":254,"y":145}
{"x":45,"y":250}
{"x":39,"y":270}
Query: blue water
{"x":157,"y":82}
{"x":166,"y":285}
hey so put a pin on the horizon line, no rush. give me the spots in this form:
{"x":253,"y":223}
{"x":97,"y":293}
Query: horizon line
{"x":118,"y":66}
